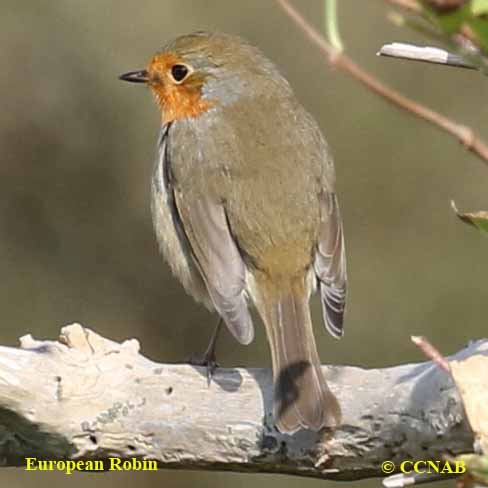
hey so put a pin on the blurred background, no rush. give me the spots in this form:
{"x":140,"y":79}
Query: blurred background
{"x":77,"y":146}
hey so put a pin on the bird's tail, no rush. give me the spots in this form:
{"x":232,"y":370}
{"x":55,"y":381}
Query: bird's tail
{"x":302,"y":398}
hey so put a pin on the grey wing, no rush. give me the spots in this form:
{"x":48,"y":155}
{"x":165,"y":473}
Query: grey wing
{"x":218,"y":258}
{"x":330,"y":266}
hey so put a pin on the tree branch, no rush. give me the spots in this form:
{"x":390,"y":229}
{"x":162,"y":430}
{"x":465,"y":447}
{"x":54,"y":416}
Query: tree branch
{"x":87,"y":397}
{"x":464,"y":134}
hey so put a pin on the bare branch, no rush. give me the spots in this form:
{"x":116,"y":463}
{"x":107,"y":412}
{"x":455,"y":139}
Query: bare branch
{"x":87,"y":398}
{"x":464,"y":134}
{"x":431,"y":352}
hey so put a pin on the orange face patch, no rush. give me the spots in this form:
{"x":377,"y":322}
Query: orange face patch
{"x":176,"y":100}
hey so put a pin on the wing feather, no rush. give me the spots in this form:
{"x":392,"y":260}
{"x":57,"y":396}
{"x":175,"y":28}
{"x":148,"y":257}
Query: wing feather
{"x":330,"y":267}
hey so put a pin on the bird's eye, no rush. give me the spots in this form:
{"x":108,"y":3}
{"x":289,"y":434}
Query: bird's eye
{"x":179,"y":72}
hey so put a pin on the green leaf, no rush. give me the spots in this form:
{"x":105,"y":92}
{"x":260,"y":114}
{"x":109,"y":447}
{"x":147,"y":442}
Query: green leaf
{"x":452,"y":22}
{"x":480,"y":26}
{"x":476,"y":219}
{"x":479,"y":7}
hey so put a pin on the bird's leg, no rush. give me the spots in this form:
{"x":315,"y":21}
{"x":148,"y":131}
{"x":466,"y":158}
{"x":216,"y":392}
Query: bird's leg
{"x":209,"y":358}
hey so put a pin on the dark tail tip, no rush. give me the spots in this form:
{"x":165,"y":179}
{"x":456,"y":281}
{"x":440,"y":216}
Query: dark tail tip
{"x":301,"y":401}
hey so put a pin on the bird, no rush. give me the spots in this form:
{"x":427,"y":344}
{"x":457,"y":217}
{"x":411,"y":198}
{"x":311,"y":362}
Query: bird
{"x":245,"y":209}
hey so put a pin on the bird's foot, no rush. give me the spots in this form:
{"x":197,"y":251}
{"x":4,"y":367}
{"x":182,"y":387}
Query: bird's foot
{"x":209,"y":361}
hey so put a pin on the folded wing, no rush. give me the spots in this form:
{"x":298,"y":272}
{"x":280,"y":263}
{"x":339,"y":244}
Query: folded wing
{"x":217,"y":256}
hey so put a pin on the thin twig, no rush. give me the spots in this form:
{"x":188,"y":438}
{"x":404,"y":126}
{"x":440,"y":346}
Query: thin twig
{"x":332,"y":25}
{"x":431,"y":352}
{"x":426,"y":54}
{"x":464,"y":134}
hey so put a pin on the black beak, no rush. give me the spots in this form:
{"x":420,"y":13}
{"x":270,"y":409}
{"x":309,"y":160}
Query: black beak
{"x":141,"y":76}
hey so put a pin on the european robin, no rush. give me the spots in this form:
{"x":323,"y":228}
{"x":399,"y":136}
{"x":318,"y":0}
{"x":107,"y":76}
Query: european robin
{"x":244,"y":208}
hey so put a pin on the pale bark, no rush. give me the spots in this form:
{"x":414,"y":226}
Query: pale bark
{"x":87,"y":397}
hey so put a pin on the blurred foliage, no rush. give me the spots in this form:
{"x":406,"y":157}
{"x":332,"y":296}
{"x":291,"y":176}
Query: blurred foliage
{"x":473,"y":14}
{"x":461,"y":21}
{"x":477,"y":470}
{"x":466,"y":19}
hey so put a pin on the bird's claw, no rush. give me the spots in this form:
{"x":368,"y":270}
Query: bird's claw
{"x":209,"y":361}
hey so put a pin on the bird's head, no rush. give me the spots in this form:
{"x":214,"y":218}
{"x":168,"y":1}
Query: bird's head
{"x":197,"y":72}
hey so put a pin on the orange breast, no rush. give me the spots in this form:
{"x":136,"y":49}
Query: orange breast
{"x":176,"y":101}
